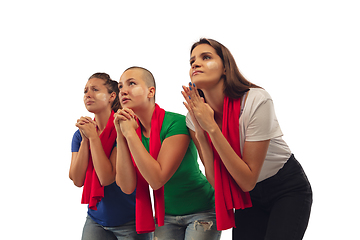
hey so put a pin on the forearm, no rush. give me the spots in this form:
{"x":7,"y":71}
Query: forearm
{"x":236,"y":166}
{"x":125,"y":170}
{"x":102,"y":164}
{"x":79,"y":164}
{"x":149,"y":168}
{"x":206,"y":155}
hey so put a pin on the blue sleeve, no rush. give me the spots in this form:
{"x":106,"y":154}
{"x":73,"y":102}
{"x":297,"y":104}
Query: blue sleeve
{"x":76,"y":141}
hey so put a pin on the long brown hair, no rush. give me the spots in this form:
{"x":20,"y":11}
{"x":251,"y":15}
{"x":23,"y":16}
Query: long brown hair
{"x":235,"y":84}
{"x":112,"y":86}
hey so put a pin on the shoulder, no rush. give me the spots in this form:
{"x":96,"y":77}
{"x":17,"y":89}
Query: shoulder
{"x":76,"y":141}
{"x":77,"y":135}
{"x":258,"y":95}
{"x":174,"y":124}
{"x":174,"y":116}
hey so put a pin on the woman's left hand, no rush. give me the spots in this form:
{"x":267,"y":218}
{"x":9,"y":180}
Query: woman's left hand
{"x":87,"y":127}
{"x":198,"y":109}
{"x":127,"y":121}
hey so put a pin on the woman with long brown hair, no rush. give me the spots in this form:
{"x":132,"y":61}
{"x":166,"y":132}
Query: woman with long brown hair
{"x":239,"y":140}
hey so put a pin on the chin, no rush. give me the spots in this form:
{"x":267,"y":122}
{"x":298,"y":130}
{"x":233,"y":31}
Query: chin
{"x":200,"y":83}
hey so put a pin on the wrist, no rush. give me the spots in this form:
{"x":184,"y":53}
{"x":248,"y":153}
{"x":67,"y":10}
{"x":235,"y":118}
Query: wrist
{"x":213,"y":130}
{"x":200,"y":135}
{"x":129,"y":133}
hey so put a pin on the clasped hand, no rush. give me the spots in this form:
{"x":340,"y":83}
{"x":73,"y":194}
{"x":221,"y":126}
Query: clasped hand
{"x":201,"y":113}
{"x":87,"y":127}
{"x":125,"y":121}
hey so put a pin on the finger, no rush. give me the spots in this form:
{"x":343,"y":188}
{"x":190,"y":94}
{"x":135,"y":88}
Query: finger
{"x":125,"y":114}
{"x":193,"y":92}
{"x":90,"y":120}
{"x":83,"y":119}
{"x":189,"y":103}
{"x":187,"y":106}
{"x":129,"y":111}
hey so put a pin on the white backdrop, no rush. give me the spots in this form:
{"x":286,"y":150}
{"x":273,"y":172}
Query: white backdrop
{"x":304,"y":53}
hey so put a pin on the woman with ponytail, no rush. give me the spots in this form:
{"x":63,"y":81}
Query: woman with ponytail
{"x":111,"y":213}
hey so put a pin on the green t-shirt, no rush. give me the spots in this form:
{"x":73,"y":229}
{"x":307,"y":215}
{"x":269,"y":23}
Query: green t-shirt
{"x":188,"y":190}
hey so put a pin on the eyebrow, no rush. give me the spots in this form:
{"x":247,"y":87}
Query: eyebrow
{"x":202,"y":54}
{"x":127,"y":80}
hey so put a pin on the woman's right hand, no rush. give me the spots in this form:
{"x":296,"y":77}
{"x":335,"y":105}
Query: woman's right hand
{"x":82,"y":121}
{"x":125,"y":121}
{"x":186,"y":94}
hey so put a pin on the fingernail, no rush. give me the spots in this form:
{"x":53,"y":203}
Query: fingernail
{"x":194,"y":84}
{"x":189,"y":97}
{"x":190,"y":88}
{"x":190,"y":83}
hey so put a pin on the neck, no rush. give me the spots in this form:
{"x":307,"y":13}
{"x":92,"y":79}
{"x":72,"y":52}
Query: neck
{"x":145,"y":115}
{"x":215,"y":98}
{"x":102,"y":118}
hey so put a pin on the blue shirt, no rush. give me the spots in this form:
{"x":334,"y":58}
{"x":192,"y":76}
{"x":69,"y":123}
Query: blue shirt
{"x":115,"y":208}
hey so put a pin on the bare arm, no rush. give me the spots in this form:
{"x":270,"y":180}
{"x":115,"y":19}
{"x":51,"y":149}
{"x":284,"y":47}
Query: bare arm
{"x":245,"y":170}
{"x":125,"y":170}
{"x":205,"y":153}
{"x":158,"y":172}
{"x":104,"y":166}
{"x":79,"y":163}
{"x":155,"y":171}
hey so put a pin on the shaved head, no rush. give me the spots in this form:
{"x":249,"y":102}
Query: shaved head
{"x":148,"y":78}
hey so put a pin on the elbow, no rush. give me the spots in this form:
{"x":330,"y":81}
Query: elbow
{"x":107,"y":182}
{"x":248,"y":187}
{"x":125,"y":189}
{"x":76,"y":182}
{"x":79,"y":184}
{"x":156,"y":185}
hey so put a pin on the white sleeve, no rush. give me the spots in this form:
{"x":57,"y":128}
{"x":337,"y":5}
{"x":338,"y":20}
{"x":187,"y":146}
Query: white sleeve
{"x":263,"y":124}
{"x":189,"y":122}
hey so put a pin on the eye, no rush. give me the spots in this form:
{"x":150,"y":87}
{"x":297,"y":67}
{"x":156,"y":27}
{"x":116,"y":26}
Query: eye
{"x":206,"y":57}
{"x":191,"y":62}
{"x":132,"y":83}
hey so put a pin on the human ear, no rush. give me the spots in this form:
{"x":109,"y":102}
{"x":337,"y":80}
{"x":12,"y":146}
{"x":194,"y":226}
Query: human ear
{"x":112,"y":97}
{"x":151,"y":93}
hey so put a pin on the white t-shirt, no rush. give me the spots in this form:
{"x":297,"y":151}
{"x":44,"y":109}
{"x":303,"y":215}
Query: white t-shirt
{"x":258,"y":122}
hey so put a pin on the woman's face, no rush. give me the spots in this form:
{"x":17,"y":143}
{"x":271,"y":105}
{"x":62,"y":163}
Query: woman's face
{"x":133,"y":90}
{"x":206,"y":66}
{"x":96,"y":95}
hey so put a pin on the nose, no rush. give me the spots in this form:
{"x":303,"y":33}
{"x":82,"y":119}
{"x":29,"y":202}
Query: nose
{"x":123,"y":91}
{"x":195,"y":64}
{"x":87,"y":94}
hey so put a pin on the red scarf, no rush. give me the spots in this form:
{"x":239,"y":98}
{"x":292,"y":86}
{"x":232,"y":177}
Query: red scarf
{"x":228,"y":195}
{"x":93,"y":192}
{"x":143,"y":213}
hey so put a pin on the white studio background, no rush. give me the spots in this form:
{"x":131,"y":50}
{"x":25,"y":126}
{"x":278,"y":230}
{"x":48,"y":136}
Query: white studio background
{"x":304,"y":53}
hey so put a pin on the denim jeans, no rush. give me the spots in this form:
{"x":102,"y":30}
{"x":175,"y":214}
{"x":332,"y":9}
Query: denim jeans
{"x":281,"y":207}
{"x":95,"y":231}
{"x":199,"y":226}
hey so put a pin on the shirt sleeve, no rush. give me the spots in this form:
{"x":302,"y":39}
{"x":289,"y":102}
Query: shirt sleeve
{"x":76,"y":141}
{"x":263,"y":124}
{"x":189,"y":122}
{"x":175,"y":124}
